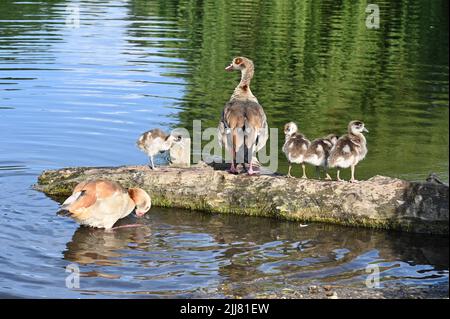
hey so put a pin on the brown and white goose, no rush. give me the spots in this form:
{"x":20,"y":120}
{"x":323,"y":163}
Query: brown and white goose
{"x":101,"y":203}
{"x":350,"y":149}
{"x":295,"y":147}
{"x":319,"y":151}
{"x":243,"y":127}
{"x":156,"y":141}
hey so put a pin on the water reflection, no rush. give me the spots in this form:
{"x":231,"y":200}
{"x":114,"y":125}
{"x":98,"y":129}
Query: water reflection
{"x":179,"y":248}
{"x":99,"y":247}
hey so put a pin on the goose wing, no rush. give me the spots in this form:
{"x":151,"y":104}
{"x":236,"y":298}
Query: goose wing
{"x":233,"y":119}
{"x":87,"y":196}
{"x":256,"y":125}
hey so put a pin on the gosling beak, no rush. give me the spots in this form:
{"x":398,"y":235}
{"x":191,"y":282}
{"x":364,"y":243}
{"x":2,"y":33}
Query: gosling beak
{"x":365,"y":130}
{"x":229,"y":68}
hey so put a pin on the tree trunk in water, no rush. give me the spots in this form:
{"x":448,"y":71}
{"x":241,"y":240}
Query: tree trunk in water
{"x":380,"y":202}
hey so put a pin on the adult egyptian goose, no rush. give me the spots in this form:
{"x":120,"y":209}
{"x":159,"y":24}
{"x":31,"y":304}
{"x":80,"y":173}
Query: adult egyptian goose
{"x":350,"y":149}
{"x":101,"y":203}
{"x":319,"y":151}
{"x":295,"y":146}
{"x":243,"y":126}
{"x":156,"y":141}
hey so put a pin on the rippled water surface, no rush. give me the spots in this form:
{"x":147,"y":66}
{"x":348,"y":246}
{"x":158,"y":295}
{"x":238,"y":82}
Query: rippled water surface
{"x":80,"y":95}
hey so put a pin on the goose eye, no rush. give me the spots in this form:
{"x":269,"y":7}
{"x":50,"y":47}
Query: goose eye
{"x":238,"y":61}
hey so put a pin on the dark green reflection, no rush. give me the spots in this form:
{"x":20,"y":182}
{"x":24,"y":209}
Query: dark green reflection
{"x":318,"y":64}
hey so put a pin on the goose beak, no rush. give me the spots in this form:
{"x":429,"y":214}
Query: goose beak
{"x":229,"y":68}
{"x":140,"y":214}
{"x":365,"y":130}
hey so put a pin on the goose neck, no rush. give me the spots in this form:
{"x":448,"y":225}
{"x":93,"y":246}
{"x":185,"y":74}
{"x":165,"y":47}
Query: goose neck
{"x":242,"y":90}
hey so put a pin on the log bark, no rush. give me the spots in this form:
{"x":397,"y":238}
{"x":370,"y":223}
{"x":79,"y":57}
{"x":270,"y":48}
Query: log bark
{"x":380,"y":202}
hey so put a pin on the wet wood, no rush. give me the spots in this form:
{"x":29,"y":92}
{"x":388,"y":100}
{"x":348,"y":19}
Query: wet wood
{"x":380,"y":202}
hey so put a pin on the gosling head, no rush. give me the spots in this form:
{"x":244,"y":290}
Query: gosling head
{"x":290,"y":128}
{"x":141,"y":199}
{"x":174,"y":138}
{"x":239,"y":63}
{"x":169,"y":141}
{"x":356,"y":127}
{"x":332,"y":138}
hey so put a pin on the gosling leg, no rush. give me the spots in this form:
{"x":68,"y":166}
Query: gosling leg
{"x":328,"y":177}
{"x":304,"y":171}
{"x":152,"y":166}
{"x":337,"y":176}
{"x":318,"y":172}
{"x":352,"y":180}
{"x":289,"y":170}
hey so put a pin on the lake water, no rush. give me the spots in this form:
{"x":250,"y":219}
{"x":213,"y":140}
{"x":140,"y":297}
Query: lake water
{"x":80,"y":95}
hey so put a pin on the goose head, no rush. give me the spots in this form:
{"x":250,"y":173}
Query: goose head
{"x":141,"y":199}
{"x":356,"y":127}
{"x":239,"y":64}
{"x":290,"y":128}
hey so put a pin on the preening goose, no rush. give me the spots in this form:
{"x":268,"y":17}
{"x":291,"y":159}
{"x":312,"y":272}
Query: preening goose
{"x":243,"y":126}
{"x":101,"y":203}
{"x":295,"y":146}
{"x":350,"y":149}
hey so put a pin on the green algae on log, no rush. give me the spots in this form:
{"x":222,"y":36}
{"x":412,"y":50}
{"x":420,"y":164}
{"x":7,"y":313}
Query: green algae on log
{"x":380,"y":202}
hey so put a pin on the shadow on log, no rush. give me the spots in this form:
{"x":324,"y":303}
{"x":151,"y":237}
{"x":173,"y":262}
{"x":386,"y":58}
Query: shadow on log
{"x":380,"y":202}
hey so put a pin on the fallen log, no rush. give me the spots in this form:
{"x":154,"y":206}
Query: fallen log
{"x":380,"y":202}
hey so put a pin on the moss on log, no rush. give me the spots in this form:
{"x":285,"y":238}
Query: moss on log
{"x":380,"y":202}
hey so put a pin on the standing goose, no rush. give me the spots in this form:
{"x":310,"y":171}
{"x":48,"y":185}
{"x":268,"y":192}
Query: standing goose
{"x":319,"y":151}
{"x":101,"y":203}
{"x":243,"y":127}
{"x":295,"y":146}
{"x":155,"y":141}
{"x":350,"y":149}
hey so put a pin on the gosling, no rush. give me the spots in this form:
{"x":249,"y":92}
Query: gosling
{"x":318,"y":153}
{"x":295,"y":147}
{"x":156,"y":141}
{"x":350,"y":149}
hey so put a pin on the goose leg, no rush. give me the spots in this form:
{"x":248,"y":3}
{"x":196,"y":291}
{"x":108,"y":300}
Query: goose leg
{"x":250,"y":161}
{"x":233,"y":169}
{"x":352,"y":179}
{"x":250,"y":169}
{"x":123,"y":226}
{"x":304,"y":171}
